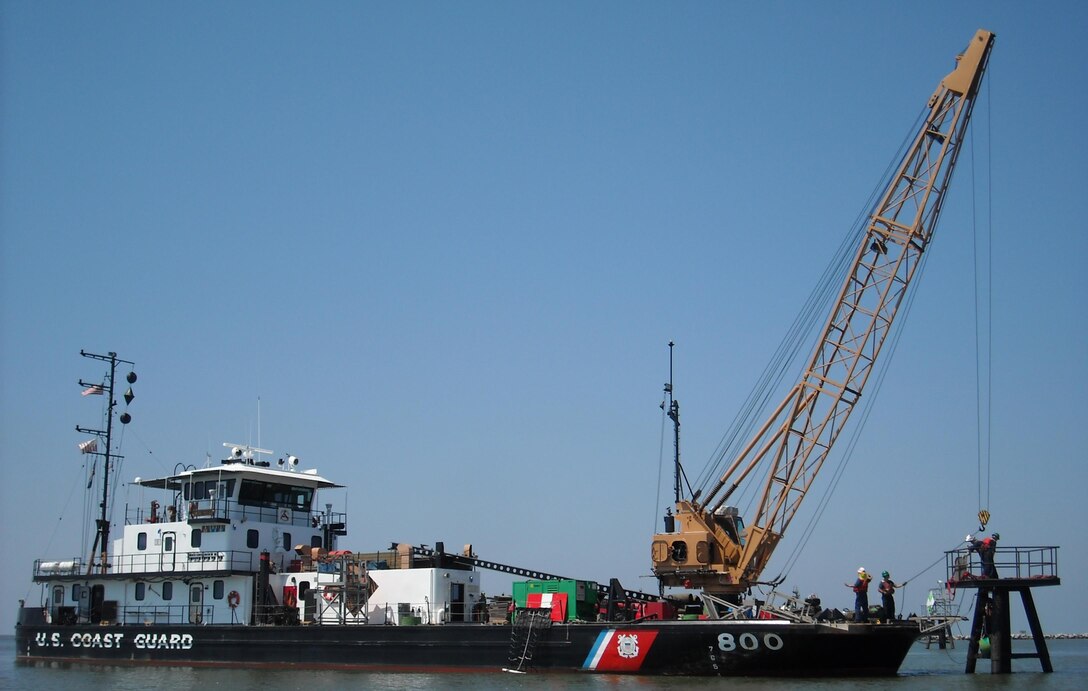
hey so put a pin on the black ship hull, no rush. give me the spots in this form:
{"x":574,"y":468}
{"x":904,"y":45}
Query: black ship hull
{"x":696,"y":648}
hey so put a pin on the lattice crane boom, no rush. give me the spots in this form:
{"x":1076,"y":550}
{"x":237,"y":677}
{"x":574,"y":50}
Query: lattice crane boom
{"x":712,"y":549}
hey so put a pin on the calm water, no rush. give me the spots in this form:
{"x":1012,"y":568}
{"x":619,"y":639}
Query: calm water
{"x":923,"y":669}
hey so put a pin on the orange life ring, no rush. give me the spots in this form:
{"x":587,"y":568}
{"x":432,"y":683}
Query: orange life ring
{"x":234,"y":599}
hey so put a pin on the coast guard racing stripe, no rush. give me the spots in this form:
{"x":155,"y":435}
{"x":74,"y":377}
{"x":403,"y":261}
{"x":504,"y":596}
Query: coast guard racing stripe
{"x":619,"y":651}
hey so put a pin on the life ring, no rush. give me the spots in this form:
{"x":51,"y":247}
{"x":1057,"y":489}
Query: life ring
{"x":329,"y":595}
{"x":234,"y":599}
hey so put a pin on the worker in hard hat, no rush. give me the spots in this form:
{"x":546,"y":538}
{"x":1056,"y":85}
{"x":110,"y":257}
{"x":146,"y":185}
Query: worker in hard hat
{"x":987,"y":553}
{"x":887,"y":595}
{"x":861,"y":595}
{"x":986,"y":548}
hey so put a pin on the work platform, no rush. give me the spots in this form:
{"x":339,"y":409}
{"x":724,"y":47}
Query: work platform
{"x":1013,"y":569}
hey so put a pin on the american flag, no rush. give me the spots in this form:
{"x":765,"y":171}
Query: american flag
{"x":89,"y":446}
{"x":95,"y":390}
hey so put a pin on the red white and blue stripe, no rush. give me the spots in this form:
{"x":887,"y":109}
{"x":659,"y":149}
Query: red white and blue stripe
{"x":618,"y":650}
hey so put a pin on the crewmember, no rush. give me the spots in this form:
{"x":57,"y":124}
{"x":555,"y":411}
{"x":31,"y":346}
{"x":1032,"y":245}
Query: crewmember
{"x":986,"y":549}
{"x":861,"y":595}
{"x":887,"y":595}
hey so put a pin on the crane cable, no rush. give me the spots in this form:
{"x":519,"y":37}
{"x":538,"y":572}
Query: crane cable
{"x":855,"y":434}
{"x":903,"y":586}
{"x":983,"y":323}
{"x":879,"y":373}
{"x":790,"y":350}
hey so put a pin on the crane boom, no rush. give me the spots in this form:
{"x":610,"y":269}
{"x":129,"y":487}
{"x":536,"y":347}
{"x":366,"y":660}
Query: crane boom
{"x":712,"y":549}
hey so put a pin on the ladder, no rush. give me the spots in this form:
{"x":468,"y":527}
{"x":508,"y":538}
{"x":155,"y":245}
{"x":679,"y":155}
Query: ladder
{"x":525,"y":631}
{"x":940,"y":615}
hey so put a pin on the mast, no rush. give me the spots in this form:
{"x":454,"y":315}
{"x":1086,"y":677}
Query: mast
{"x":713,"y":550}
{"x":674,"y":415}
{"x":102,"y":534}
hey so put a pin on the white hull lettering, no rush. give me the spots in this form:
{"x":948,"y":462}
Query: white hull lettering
{"x":79,"y":640}
{"x":143,"y":641}
{"x":48,"y":640}
{"x":163,"y":641}
{"x":749,"y":641}
{"x":97,"y":640}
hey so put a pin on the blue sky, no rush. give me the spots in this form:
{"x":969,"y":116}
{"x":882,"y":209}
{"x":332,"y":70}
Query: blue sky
{"x":445,"y":245}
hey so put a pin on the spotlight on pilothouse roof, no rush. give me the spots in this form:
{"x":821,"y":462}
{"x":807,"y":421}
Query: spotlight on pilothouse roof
{"x":244,"y":452}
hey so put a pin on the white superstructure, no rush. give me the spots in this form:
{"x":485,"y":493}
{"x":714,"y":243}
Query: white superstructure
{"x":245,"y":543}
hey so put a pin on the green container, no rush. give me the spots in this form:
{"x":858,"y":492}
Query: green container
{"x":409,"y":620}
{"x":581,"y":596}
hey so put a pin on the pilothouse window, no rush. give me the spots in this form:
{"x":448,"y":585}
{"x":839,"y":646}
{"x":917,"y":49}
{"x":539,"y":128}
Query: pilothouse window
{"x":209,"y":489}
{"x":255,"y":493}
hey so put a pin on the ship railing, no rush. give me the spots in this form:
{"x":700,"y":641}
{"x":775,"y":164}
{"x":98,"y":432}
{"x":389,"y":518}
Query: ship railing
{"x":1031,"y":563}
{"x":929,"y":625}
{"x":277,"y":615}
{"x":225,"y":510}
{"x":153,"y":563}
{"x":194,"y":561}
{"x":150,"y":615}
{"x":717,"y":608}
{"x":940,"y":601}
{"x":67,"y":567}
{"x":791,"y":606}
{"x":133,"y":615}
{"x":407,"y":613}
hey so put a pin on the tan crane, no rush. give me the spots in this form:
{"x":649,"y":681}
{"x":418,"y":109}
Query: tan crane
{"x":707,"y":545}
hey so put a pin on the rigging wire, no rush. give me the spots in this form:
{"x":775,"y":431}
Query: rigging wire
{"x":789,"y":351}
{"x":76,"y":481}
{"x":777,"y":367}
{"x":855,"y":434}
{"x":902,"y":587}
{"x":165,"y":470}
{"x":117,"y":474}
{"x":660,"y":470}
{"x":88,"y":476}
{"x":150,"y":452}
{"x":983,"y":294}
{"x":938,"y":561}
{"x":989,"y":291}
{"x":881,"y":373}
{"x":92,"y":490}
{"x":881,"y":365}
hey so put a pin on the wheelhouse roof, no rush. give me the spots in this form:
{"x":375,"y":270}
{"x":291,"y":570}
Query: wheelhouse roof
{"x":303,"y":478}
